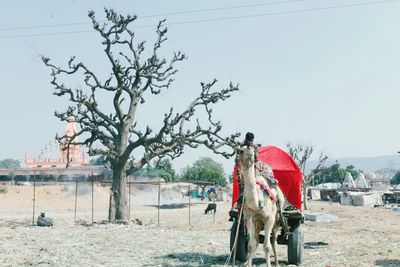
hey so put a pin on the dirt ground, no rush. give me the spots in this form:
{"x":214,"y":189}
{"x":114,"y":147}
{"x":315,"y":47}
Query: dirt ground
{"x":361,"y":237}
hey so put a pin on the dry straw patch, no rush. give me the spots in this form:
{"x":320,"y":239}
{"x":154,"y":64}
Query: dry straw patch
{"x":362,"y":236}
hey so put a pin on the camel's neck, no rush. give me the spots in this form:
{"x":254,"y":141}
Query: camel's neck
{"x":249,"y":177}
{"x":250,"y":190}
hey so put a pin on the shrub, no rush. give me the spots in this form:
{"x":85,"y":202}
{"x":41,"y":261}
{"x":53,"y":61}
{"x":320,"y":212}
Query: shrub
{"x":3,"y":189}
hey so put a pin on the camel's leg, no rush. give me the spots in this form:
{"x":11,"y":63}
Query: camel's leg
{"x":278,"y":224}
{"x":254,"y":231}
{"x":275,"y":232}
{"x":267,"y":241}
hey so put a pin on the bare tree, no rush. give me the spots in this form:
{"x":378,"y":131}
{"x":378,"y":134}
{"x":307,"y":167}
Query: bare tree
{"x":301,"y":154}
{"x":135,"y":77}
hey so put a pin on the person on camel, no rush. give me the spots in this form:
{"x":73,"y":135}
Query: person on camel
{"x":261,"y":168}
{"x":248,"y":141}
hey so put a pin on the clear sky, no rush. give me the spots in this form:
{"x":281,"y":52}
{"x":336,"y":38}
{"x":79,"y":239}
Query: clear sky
{"x":320,"y":72}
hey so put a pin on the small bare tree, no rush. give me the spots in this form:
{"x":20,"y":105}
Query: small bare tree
{"x":301,"y":154}
{"x":135,"y":77}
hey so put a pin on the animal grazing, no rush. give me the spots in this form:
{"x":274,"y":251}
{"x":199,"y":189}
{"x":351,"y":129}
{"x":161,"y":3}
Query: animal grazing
{"x":260,"y":210}
{"x":211,"y":207}
{"x":212,"y":196}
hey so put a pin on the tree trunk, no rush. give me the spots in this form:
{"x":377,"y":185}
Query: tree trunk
{"x":118,"y":208}
{"x":305,"y":201}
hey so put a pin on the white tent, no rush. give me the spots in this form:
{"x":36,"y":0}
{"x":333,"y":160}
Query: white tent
{"x":360,"y":181}
{"x":348,"y":181}
{"x":361,"y":198}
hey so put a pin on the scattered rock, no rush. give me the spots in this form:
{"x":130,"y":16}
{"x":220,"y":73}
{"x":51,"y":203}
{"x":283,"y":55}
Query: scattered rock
{"x":315,"y":245}
{"x":83,"y":222}
{"x":137,"y":221}
{"x":320,"y":217}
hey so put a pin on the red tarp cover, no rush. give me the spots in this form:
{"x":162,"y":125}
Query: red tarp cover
{"x":285,"y":171}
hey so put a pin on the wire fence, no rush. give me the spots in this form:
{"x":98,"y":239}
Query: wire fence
{"x":85,"y":200}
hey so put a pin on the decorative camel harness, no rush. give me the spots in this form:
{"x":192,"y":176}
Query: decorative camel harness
{"x":262,"y":169}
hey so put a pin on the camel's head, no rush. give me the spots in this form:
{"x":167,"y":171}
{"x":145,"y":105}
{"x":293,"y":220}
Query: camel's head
{"x":246,"y":156}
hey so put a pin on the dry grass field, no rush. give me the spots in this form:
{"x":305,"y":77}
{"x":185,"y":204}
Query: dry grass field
{"x":361,"y":237}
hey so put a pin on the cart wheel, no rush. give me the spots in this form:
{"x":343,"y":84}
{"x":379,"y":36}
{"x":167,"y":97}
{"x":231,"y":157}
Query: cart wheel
{"x":241,"y":251}
{"x":295,"y":244}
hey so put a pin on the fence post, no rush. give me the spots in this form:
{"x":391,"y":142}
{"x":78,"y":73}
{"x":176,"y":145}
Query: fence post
{"x":159,"y":194}
{"x":215,"y":198}
{"x":129,"y":199}
{"x":189,"y":204}
{"x":76,"y":196}
{"x":34,"y":197}
{"x":92,"y":197}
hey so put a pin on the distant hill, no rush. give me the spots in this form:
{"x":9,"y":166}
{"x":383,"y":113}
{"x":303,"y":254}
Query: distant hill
{"x":366,"y":164}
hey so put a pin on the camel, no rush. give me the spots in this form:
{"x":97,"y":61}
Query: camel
{"x":260,"y":210}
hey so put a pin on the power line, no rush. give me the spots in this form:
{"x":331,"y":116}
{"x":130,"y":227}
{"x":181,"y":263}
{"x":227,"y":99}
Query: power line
{"x":44,"y":26}
{"x":281,"y":12}
{"x":156,"y":15}
{"x":44,"y":34}
{"x":220,"y":19}
{"x":221,"y":8}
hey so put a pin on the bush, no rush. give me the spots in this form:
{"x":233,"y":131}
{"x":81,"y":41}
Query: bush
{"x":3,"y":189}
